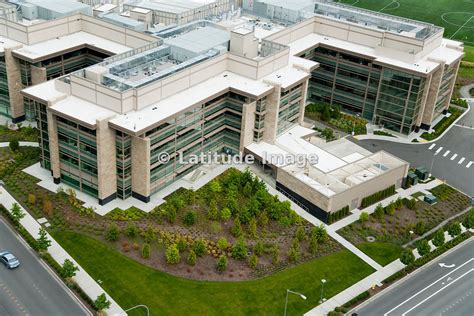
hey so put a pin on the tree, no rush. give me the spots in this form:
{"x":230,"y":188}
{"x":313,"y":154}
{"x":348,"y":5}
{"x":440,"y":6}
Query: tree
{"x":253,"y":228}
{"x":101,"y":302}
{"x":423,"y":247}
{"x":275,"y":254}
{"x":454,"y":229}
{"x":294,"y":251}
{"x":469,"y":220}
{"x":325,"y":113}
{"x":68,"y":269}
{"x":16,"y":213}
{"x":226,"y":214}
{"x":438,"y":238}
{"x":407,"y":257}
{"x":320,"y":233}
{"x":253,"y":261}
{"x":379,"y":211}
{"x":239,"y":251}
{"x":170,"y":212}
{"x":131,"y":230}
{"x":236,"y":230}
{"x":364,"y":217}
{"x":398,"y":203}
{"x":146,"y":249}
{"x":313,"y":245}
{"x":390,"y":208}
{"x":411,"y":204}
{"x":258,"y":249}
{"x":212,"y":212}
{"x":172,"y":254}
{"x":14,"y":144}
{"x":419,"y":228}
{"x":112,"y":233}
{"x":300,"y":233}
{"x":215,"y":186}
{"x":192,"y":258}
{"x":262,"y":219}
{"x":222,"y":243}
{"x":43,"y":241}
{"x":221,"y":264}
{"x":199,"y":247}
{"x":328,"y":134}
{"x":190,"y":218}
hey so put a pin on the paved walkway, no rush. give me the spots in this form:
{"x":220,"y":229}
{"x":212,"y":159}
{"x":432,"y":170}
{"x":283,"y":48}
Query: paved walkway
{"x":82,"y":278}
{"x":22,"y":144}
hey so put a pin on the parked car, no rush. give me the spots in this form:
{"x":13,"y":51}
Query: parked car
{"x":9,"y":260}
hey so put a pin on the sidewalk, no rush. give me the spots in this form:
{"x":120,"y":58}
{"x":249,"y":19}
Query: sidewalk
{"x":82,"y":278}
{"x":22,"y":144}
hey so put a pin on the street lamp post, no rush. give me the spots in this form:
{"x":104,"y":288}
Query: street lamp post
{"x":140,"y":305}
{"x":292,"y":292}
{"x":432,"y":161}
{"x":322,"y":290}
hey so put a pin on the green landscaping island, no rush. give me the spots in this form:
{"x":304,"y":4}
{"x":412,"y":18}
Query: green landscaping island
{"x":131,"y":283}
{"x":383,"y":253}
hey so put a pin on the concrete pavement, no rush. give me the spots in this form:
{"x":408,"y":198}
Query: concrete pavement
{"x":432,"y":289}
{"x":32,"y":289}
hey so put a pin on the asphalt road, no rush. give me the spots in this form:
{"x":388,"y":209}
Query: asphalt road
{"x":31,"y":289}
{"x":451,"y":155}
{"x":434,"y":290}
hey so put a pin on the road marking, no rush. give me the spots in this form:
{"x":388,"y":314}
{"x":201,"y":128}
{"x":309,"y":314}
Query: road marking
{"x":469,"y":164}
{"x":427,"y":287}
{"x":454,"y":156}
{"x":439,"y":149}
{"x":446,"y":153}
{"x":460,"y":161}
{"x":464,"y":274}
{"x":431,"y":147}
{"x":467,"y":21}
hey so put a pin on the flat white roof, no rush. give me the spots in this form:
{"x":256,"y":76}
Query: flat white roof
{"x":140,"y":10}
{"x":45,"y":91}
{"x":105,"y":7}
{"x":352,"y":157}
{"x":58,"y":44}
{"x":242,"y":31}
{"x":136,"y":121}
{"x":174,"y":6}
{"x":5,"y":42}
{"x":81,"y":110}
{"x":286,"y":77}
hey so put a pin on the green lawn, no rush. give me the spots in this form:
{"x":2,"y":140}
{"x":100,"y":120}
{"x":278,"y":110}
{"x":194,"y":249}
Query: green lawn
{"x":382,"y":253}
{"x":132,"y":283}
{"x":431,"y":11}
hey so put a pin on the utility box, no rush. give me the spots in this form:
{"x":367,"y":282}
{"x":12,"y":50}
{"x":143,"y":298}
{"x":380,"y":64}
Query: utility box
{"x":422,"y":173}
{"x":412,"y":179}
{"x":430,"y":198}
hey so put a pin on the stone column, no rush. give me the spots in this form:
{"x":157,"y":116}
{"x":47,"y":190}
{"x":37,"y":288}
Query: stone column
{"x":248,"y":122}
{"x":141,"y":168}
{"x":38,"y":75}
{"x":12,"y":66}
{"x":304,"y":95}
{"x":106,"y":168}
{"x":53,"y":147}
{"x":451,"y":88}
{"x":271,"y":116}
{"x":428,"y":112}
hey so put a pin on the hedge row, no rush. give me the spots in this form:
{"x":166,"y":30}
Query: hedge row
{"x":378,"y":196}
{"x":459,"y":102}
{"x":337,"y":215}
{"x":443,"y":124}
{"x":46,"y":256}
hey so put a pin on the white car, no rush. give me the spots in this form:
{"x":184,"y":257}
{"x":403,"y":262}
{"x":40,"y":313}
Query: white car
{"x":9,"y":260}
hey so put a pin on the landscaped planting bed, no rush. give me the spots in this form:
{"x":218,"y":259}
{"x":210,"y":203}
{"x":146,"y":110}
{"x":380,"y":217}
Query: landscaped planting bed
{"x":24,"y":133}
{"x":410,"y":219}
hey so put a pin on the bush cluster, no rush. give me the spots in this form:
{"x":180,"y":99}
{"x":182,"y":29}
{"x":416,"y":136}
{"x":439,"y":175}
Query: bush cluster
{"x":337,"y":215}
{"x":378,"y":196}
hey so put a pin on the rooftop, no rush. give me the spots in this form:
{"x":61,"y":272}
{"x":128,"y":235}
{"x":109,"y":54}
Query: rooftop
{"x":52,"y":46}
{"x":199,"y":39}
{"x":175,"y":6}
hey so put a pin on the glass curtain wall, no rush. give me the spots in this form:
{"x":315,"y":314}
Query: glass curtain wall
{"x":4,"y":95}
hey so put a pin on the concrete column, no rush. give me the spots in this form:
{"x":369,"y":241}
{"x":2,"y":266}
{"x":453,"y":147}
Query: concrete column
{"x":12,"y":65}
{"x":304,"y":96}
{"x":106,"y":168}
{"x":428,"y":113}
{"x":141,"y":168}
{"x":248,"y":122}
{"x":271,"y":116}
{"x":54,"y":147}
{"x":38,"y":75}
{"x":424,"y":98}
{"x":451,"y":88}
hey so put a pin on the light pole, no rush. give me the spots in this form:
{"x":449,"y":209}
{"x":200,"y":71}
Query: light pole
{"x":292,"y":292}
{"x":322,"y":290}
{"x":432,"y":161}
{"x":141,"y":305}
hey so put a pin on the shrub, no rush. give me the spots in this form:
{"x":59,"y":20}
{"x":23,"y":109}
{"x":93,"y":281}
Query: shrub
{"x":313,"y":245}
{"x":253,"y":228}
{"x":212,"y":212}
{"x":14,"y":144}
{"x":294,"y":251}
{"x":221,"y":264}
{"x":378,"y":196}
{"x":407,"y":257}
{"x":190,"y":218}
{"x":320,"y":233}
{"x":411,"y":204}
{"x":16,"y":213}
{"x":419,"y":228}
{"x":438,"y":238}
{"x":379,"y":211}
{"x":199,"y":247}
{"x":43,"y":242}
{"x":239,"y":251}
{"x":101,"y":302}
{"x":300,"y":233}
{"x":390,"y":208}
{"x":192,"y":258}
{"x":253,"y":261}
{"x":275,"y":254}
{"x":68,"y":269}
{"x":236,"y":230}
{"x":170,"y":213}
{"x":172,"y":254}
{"x":146,"y":249}
{"x":31,"y":199}
{"x":262,"y":219}
{"x":222,"y":243}
{"x":423,"y":247}
{"x":258,"y":249}
{"x":454,"y":229}
{"x":226,"y":214}
{"x":182,"y":244}
{"x":131,"y":230}
{"x":112,"y":233}
{"x":398,"y":203}
{"x":469,"y":220}
{"x":364,"y":217}
{"x":149,"y":234}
